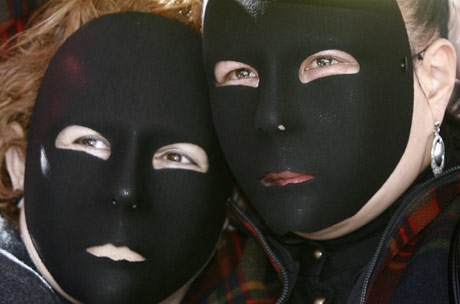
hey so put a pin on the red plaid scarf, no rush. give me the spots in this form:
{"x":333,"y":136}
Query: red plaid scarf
{"x":242,"y":273}
{"x":239,"y":273}
{"x":436,"y":213}
{"x":12,"y":20}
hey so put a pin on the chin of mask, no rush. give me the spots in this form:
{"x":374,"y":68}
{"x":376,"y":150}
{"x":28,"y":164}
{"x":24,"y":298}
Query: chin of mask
{"x":125,"y":185}
{"x":312,"y":102}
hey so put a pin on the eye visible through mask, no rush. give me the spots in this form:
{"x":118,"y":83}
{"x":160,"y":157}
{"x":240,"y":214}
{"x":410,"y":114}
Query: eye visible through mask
{"x":319,"y":65}
{"x":184,"y":156}
{"x":228,"y":73}
{"x":327,"y":63}
{"x":83,"y":139}
{"x":304,"y":94}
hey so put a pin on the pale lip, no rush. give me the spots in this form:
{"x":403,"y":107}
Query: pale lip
{"x":284,"y":178}
{"x":115,"y":253}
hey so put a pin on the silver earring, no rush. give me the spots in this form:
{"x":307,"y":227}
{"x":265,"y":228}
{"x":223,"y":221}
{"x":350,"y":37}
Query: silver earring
{"x":437,"y":151}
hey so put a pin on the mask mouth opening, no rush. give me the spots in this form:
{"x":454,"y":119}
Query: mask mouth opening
{"x":115,"y":253}
{"x":281,"y":179}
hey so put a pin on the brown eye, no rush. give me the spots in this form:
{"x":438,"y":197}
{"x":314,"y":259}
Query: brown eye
{"x":83,"y":139}
{"x":174,"y":157}
{"x":181,"y":156}
{"x":92,"y":142}
{"x":323,"y":62}
{"x":244,"y":73}
{"x":178,"y":158}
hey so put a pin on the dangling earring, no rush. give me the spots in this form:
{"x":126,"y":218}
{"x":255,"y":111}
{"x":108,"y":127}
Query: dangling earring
{"x":437,"y":151}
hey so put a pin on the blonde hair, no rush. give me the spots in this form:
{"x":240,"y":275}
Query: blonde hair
{"x":25,"y":57}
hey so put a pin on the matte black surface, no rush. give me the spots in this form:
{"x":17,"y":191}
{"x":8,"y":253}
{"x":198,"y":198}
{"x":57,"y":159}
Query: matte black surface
{"x":349,"y":131}
{"x":137,"y":79}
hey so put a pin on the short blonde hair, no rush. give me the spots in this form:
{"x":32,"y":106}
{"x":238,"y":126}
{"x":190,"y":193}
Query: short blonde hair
{"x":25,"y":57}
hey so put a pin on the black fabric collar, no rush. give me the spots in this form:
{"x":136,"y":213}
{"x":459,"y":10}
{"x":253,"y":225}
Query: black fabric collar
{"x":10,"y":241}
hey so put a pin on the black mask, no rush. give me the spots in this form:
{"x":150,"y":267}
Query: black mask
{"x":347,"y":131}
{"x":137,"y":80}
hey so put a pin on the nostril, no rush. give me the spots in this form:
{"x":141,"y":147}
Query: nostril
{"x":132,"y":205}
{"x":267,"y":120}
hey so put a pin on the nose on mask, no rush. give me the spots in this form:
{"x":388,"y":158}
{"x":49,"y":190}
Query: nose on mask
{"x":314,"y":88}
{"x":107,"y":223}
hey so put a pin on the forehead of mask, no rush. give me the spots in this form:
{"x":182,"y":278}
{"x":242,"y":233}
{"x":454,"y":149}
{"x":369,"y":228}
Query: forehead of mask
{"x":349,"y":131}
{"x":137,"y":79}
{"x":257,"y":7}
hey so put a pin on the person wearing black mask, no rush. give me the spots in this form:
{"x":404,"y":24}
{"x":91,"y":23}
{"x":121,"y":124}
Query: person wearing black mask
{"x":329,"y":114}
{"x":124,"y":182}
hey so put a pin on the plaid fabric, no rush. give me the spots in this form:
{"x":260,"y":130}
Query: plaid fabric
{"x":419,"y":250}
{"x":14,"y":15}
{"x":414,"y":262}
{"x":239,"y":273}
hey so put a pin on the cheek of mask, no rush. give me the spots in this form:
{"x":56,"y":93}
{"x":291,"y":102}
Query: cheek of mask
{"x":109,"y":225}
{"x":309,"y":152}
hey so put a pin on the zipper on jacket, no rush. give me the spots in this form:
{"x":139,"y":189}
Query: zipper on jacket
{"x":283,"y":271}
{"x":420,"y":189}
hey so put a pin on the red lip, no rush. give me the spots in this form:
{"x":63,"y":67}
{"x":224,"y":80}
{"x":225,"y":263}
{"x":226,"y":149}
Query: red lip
{"x":284,"y":178}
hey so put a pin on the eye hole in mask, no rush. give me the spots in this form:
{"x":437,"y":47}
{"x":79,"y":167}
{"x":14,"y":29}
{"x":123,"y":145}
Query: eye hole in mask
{"x":185,"y":156}
{"x":234,"y":73}
{"x":83,"y":139}
{"x":327,"y":63}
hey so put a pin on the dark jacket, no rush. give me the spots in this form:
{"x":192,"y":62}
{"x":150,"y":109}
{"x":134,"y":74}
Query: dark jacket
{"x":19,"y":281}
{"x":416,"y":260}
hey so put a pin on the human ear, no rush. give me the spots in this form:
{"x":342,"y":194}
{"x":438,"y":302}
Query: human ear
{"x":15,"y":160}
{"x":436,"y":75}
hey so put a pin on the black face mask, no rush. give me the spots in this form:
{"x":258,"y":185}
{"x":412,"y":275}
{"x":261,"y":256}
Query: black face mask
{"x":137,"y":80}
{"x":348,"y":131}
